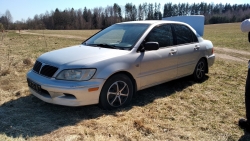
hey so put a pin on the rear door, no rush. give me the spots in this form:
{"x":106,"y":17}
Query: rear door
{"x":189,"y":51}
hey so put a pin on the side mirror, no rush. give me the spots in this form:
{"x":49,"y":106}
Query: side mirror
{"x":151,"y":46}
{"x":248,"y":36}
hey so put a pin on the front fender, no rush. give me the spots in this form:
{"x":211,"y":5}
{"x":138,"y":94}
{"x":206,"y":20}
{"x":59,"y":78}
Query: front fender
{"x":129,"y":63}
{"x":111,"y":69}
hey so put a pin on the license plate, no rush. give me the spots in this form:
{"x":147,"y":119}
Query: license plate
{"x":34,"y":86}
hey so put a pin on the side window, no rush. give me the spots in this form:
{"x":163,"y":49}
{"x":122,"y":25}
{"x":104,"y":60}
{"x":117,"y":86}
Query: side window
{"x":184,"y":35}
{"x":161,"y":34}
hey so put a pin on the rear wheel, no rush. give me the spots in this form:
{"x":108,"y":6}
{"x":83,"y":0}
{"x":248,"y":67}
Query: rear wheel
{"x":199,"y":72}
{"x":117,"y":92}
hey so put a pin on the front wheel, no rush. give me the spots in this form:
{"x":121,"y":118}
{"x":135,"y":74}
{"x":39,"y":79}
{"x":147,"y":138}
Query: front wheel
{"x":116,"y":92}
{"x":199,"y":72}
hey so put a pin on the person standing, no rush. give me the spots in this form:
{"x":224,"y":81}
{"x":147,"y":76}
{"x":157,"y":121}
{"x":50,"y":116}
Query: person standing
{"x":245,"y":123}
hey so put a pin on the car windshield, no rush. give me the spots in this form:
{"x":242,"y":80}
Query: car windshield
{"x":118,"y":36}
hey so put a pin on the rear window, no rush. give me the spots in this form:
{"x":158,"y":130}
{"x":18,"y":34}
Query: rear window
{"x":184,"y":35}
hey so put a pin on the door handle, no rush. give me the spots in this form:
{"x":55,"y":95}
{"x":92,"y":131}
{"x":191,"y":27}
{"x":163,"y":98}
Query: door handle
{"x":173,"y":51}
{"x":196,"y":47}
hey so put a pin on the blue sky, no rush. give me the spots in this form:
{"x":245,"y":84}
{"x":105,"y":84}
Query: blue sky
{"x":22,"y":9}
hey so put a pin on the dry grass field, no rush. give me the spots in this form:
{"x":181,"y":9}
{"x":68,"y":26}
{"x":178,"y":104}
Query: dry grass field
{"x":180,"y":110}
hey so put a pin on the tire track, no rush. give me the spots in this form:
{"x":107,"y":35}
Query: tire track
{"x":226,"y":54}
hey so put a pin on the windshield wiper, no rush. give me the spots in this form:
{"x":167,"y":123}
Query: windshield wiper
{"x":104,"y":46}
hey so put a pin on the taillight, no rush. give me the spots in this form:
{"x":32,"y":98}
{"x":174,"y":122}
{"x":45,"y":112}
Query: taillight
{"x":212,"y":50}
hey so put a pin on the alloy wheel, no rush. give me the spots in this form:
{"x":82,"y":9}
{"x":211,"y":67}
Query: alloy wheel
{"x":200,"y":70}
{"x":117,"y":93}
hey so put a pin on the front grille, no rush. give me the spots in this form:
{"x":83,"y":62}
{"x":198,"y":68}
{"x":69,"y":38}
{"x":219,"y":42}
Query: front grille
{"x":45,"y":70}
{"x":37,"y":66}
{"x":48,"y":70}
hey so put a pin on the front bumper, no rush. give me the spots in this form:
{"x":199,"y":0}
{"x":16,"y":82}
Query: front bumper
{"x":68,"y":93}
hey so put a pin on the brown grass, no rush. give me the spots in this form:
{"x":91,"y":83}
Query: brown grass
{"x":4,"y":72}
{"x":227,"y":35}
{"x":27,"y":61}
{"x":175,"y":111}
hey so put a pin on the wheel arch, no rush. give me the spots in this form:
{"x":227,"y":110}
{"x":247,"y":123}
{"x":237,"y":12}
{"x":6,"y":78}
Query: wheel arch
{"x":104,"y":104}
{"x":205,"y":59}
{"x":127,"y":74}
{"x":131,"y":78}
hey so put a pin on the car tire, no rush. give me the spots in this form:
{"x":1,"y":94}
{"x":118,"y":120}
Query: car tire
{"x":117,"y":92}
{"x":199,"y":71}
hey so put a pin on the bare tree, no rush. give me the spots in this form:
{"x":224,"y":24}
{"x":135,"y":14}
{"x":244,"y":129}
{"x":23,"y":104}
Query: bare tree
{"x":1,"y":27}
{"x":103,"y":17}
{"x":9,"y":18}
{"x":140,"y":13}
{"x":131,"y":12}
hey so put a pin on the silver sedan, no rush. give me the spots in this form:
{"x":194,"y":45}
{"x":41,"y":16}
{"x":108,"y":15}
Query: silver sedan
{"x":109,"y":67}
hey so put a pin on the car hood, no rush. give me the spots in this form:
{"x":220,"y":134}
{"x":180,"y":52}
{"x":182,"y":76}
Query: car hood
{"x":79,"y":55}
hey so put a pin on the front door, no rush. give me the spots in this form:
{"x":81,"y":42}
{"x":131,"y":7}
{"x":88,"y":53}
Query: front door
{"x":160,"y":65}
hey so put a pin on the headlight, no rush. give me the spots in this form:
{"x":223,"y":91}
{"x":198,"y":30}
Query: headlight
{"x":76,"y":74}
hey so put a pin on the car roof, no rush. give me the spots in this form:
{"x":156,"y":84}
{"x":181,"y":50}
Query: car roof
{"x":157,"y":22}
{"x":149,"y":22}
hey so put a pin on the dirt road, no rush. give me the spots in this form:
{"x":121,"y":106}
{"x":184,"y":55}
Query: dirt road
{"x":224,"y":53}
{"x":49,"y":35}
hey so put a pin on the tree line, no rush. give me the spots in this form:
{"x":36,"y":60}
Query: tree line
{"x":98,"y":18}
